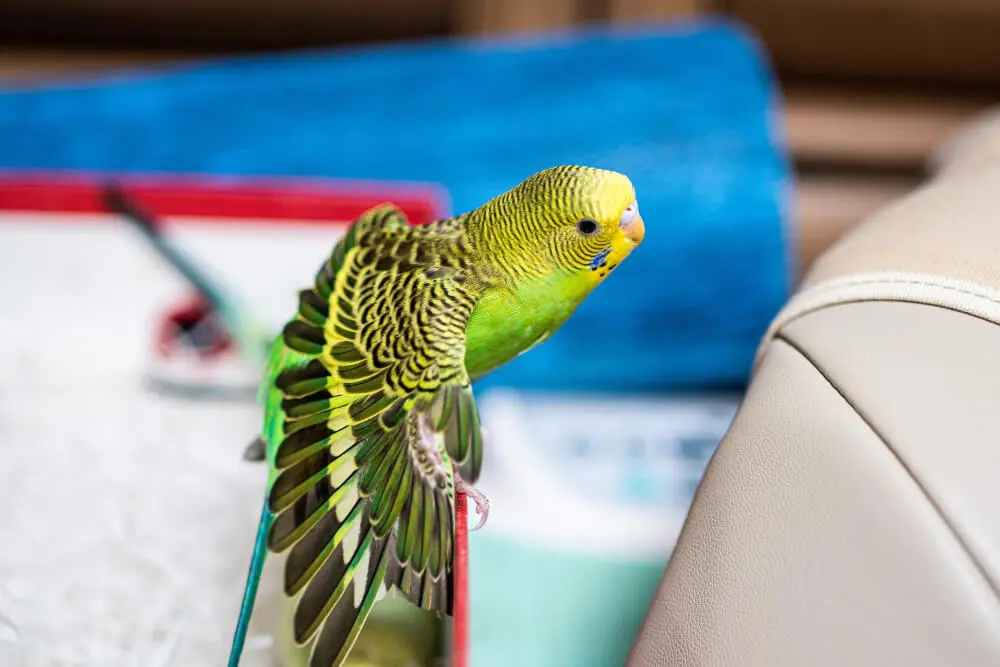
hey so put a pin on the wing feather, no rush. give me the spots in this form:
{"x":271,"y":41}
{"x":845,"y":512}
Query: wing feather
{"x":362,"y":430}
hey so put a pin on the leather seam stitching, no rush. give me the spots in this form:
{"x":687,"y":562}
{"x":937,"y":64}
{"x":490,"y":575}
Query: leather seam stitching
{"x":825,"y":289}
{"x":956,"y":534}
{"x":925,"y":282}
{"x":836,"y":292}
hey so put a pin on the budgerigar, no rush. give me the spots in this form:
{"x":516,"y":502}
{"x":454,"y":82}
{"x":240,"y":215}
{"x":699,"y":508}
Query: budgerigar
{"x":370,"y":424}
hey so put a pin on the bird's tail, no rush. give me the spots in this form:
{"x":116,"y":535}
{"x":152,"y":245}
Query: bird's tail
{"x":250,"y":590}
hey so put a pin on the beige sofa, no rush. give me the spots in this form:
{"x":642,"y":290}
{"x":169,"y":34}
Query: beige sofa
{"x":851,"y":516}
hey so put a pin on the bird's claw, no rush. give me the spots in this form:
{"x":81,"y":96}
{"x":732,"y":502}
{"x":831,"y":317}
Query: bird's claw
{"x":482,"y":502}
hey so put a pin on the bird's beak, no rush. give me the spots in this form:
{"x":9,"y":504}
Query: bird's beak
{"x":634,"y":230}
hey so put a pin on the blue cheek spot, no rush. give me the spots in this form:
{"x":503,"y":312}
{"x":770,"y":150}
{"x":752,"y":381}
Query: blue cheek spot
{"x":600,"y":259}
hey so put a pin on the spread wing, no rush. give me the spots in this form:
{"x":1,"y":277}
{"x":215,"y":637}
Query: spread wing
{"x":368,"y":408}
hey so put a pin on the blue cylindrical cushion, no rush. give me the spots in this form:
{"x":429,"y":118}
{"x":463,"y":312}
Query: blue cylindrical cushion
{"x":688,"y":112}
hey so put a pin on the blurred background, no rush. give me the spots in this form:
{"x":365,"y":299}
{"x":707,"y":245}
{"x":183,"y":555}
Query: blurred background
{"x":757,"y":133}
{"x":870,"y":87}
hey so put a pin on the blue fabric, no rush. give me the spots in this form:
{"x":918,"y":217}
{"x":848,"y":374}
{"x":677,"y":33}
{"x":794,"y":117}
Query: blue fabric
{"x":687,"y":111}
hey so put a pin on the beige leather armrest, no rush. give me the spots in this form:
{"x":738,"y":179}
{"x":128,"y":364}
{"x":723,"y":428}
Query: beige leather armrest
{"x":851,"y":516}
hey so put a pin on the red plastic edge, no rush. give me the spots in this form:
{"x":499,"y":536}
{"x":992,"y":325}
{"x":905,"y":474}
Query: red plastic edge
{"x":222,"y":199}
{"x":460,"y":636}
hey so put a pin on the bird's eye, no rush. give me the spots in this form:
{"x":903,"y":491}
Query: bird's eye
{"x":587,"y":227}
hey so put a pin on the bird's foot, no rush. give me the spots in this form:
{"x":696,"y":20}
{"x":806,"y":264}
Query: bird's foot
{"x":482,"y":502}
{"x":428,"y":439}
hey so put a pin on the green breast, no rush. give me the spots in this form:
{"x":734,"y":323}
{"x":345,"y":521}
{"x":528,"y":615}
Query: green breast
{"x":504,"y":324}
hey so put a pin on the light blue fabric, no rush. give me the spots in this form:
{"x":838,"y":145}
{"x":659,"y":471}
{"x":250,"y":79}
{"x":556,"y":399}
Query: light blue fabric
{"x":687,"y":111}
{"x":537,"y":607}
{"x":587,"y":495}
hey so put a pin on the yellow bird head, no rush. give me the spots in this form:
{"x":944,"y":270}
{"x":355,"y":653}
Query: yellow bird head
{"x":573,"y":219}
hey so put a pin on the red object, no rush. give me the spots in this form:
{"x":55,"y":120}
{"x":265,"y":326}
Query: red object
{"x":460,"y":636}
{"x":241,"y":200}
{"x":194,"y":311}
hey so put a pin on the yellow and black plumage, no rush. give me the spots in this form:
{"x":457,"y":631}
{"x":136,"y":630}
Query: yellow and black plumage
{"x":370,"y":421}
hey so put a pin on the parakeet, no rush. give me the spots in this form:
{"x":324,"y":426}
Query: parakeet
{"x":370,"y":423}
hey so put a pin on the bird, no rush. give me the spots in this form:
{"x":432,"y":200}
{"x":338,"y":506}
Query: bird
{"x":370,"y":423}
